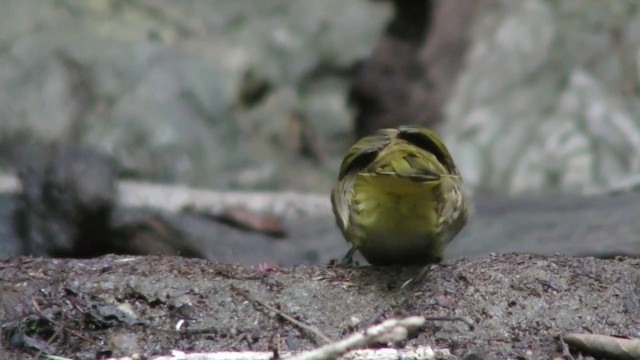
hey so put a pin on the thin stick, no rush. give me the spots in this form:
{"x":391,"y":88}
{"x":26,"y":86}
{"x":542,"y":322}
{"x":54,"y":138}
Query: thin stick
{"x":421,"y":353}
{"x":60,"y":328}
{"x":392,"y":330}
{"x":69,"y":331}
{"x":245,"y":294}
{"x":451,"y":318}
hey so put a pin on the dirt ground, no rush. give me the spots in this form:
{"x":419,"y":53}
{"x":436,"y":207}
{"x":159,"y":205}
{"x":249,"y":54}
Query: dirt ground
{"x":121,"y":305}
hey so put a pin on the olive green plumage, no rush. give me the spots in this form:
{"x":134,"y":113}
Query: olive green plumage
{"x":399,"y":198}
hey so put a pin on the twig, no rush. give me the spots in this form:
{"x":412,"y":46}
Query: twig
{"x":605,"y":346}
{"x":451,"y":318}
{"x":60,"y":328}
{"x":235,"y":342}
{"x":392,"y":330}
{"x":419,"y":353}
{"x":69,"y":331}
{"x":245,"y":294}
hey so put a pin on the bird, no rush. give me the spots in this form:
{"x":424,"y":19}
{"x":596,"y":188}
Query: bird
{"x":399,"y":198}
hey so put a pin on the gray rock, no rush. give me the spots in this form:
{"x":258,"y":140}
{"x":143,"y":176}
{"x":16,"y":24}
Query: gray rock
{"x":157,"y":83}
{"x":549,"y":98}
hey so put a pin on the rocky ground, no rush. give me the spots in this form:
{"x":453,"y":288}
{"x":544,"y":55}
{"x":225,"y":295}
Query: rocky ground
{"x":512,"y":306}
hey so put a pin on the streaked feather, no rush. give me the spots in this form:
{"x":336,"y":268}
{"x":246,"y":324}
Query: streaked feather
{"x":399,"y":197}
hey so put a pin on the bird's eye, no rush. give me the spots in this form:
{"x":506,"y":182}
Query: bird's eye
{"x":426,"y":143}
{"x":358,"y":163}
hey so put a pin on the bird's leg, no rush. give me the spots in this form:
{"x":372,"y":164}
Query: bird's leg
{"x":417,"y":279}
{"x":348,"y":258}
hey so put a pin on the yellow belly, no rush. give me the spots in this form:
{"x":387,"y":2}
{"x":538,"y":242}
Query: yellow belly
{"x":396,"y":219}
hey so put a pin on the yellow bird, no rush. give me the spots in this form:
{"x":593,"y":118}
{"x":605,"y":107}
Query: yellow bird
{"x":399,"y":198}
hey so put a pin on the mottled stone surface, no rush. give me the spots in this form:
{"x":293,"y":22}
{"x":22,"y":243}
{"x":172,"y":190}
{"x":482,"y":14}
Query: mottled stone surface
{"x":549,"y":98}
{"x":238,"y":94}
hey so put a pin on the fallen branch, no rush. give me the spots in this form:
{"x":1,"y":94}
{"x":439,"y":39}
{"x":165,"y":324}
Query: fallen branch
{"x":605,"y":346}
{"x":351,"y":348}
{"x":423,"y":352}
{"x":389,"y":331}
{"x":175,"y":198}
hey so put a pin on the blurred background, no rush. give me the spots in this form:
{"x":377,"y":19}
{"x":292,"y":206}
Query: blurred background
{"x":532,"y":97}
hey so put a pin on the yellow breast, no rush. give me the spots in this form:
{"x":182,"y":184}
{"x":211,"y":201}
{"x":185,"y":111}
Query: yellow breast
{"x":395,"y":216}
